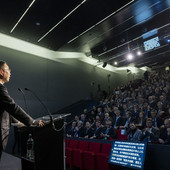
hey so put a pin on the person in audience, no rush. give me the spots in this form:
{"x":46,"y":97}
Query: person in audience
{"x":161,"y":110}
{"x":83,"y":119}
{"x":94,"y":123}
{"x":152,"y":102}
{"x":100,"y":113}
{"x":165,"y":133}
{"x":72,"y":130}
{"x":88,"y":131}
{"x":134,"y":134}
{"x":141,"y":120}
{"x":76,"y":118}
{"x":127,"y":120}
{"x":150,"y":134}
{"x":79,"y":130}
{"x":118,"y":120}
{"x":106,"y":118}
{"x":97,"y":131}
{"x":157,"y":120}
{"x":108,"y":132}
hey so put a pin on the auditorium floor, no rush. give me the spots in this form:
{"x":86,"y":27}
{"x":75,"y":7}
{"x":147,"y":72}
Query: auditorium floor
{"x":9,"y":162}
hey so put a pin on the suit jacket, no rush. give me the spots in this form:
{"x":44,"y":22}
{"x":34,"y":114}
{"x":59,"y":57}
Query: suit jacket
{"x":120,"y":121}
{"x":97,"y":132}
{"x":9,"y":108}
{"x":111,"y":133}
{"x":150,"y":137}
{"x":88,"y":132}
{"x":80,"y":132}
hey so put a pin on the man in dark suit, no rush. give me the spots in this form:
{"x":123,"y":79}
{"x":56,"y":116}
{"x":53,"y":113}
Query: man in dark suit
{"x":108,"y":132}
{"x":118,"y":120}
{"x":9,"y":109}
{"x":97,"y":131}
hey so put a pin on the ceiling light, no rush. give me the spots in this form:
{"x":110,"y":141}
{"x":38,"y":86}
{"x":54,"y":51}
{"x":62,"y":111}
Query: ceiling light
{"x":115,"y":63}
{"x":130,"y":56}
{"x":139,"y":53}
{"x":62,"y":20}
{"x":22,"y":16}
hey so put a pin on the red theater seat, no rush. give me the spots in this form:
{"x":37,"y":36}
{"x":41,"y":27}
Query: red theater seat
{"x":68,"y":151}
{"x":88,"y":157}
{"x":102,"y":158}
{"x":121,"y":136}
{"x":67,"y":142}
{"x":76,"y":156}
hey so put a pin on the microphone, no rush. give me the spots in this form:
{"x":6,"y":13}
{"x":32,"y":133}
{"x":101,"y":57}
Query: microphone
{"x":51,"y":118}
{"x":24,"y":99}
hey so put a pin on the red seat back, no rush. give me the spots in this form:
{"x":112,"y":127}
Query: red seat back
{"x":106,"y":147}
{"x":73,"y":144}
{"x":94,"y":147}
{"x":83,"y":145}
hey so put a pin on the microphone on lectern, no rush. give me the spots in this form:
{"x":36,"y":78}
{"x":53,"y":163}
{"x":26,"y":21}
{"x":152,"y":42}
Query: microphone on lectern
{"x":24,"y":99}
{"x":51,"y":118}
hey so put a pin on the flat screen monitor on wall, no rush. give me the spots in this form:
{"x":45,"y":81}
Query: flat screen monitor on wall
{"x":128,"y":154}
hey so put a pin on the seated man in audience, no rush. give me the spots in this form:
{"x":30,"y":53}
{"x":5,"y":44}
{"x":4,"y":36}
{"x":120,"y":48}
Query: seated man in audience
{"x":118,"y":120}
{"x":150,"y":133}
{"x":88,"y":131}
{"x":71,"y":131}
{"x":79,"y":130}
{"x":108,"y":132}
{"x":134,"y":134}
{"x":106,"y":118}
{"x":97,"y":131}
{"x":157,"y":120}
{"x":165,"y":133}
{"x":127,"y":120}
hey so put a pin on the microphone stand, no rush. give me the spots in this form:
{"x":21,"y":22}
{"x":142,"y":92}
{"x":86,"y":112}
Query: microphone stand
{"x":51,"y":118}
{"x":24,"y":99}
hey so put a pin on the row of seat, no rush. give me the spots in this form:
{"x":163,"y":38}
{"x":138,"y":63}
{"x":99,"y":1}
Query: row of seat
{"x":87,"y":155}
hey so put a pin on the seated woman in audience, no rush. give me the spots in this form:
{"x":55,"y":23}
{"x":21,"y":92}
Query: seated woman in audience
{"x":134,"y":134}
{"x":141,"y":120}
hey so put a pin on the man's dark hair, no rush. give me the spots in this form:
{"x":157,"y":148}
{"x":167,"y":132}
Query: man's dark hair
{"x":2,"y":63}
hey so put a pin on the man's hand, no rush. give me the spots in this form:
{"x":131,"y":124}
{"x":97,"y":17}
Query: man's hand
{"x":38,"y":123}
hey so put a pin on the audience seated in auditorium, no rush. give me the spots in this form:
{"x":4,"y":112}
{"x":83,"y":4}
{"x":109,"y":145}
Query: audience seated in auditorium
{"x":146,"y":99}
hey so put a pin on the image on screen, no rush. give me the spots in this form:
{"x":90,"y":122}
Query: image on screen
{"x":128,"y":154}
{"x":151,"y":44}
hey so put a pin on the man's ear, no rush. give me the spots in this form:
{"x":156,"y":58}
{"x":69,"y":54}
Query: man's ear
{"x":1,"y":73}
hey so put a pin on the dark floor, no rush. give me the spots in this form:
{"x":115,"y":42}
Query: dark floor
{"x":9,"y":162}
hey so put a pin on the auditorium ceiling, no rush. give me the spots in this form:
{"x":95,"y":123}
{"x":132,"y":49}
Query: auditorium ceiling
{"x":107,"y":30}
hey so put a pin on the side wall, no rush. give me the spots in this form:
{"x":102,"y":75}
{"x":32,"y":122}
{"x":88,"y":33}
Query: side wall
{"x":57,"y":83}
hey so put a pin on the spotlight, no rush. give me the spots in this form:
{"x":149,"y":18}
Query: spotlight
{"x":139,"y":53}
{"x":129,"y":56}
{"x":115,"y":63}
{"x":104,"y":64}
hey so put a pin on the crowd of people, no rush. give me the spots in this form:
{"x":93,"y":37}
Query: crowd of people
{"x":141,"y":110}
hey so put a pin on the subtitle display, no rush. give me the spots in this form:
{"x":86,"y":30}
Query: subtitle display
{"x":129,"y":154}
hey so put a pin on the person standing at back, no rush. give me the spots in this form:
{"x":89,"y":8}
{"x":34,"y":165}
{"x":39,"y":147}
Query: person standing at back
{"x":9,"y":109}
